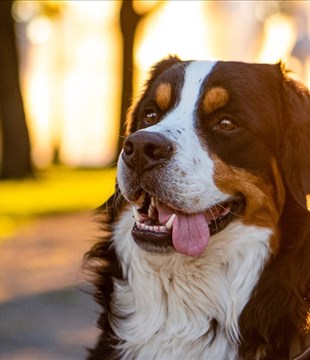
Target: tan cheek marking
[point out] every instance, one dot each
(263, 203)
(214, 99)
(163, 96)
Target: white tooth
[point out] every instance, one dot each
(136, 214)
(152, 209)
(141, 200)
(169, 223)
(150, 212)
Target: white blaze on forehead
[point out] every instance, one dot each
(191, 158)
(183, 114)
(195, 74)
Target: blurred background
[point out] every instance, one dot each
(68, 71)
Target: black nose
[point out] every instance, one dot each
(144, 150)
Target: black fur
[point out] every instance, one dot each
(280, 305)
(102, 261)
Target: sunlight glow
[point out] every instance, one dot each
(37, 107)
(39, 30)
(24, 11)
(92, 10)
(72, 73)
(89, 131)
(167, 32)
(280, 35)
(71, 86)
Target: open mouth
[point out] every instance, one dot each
(160, 228)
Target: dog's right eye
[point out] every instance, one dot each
(150, 117)
(226, 125)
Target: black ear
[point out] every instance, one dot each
(294, 153)
(155, 71)
(161, 66)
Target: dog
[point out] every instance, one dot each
(206, 253)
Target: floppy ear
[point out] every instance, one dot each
(294, 156)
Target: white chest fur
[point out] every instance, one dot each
(167, 307)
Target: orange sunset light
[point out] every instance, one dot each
(72, 60)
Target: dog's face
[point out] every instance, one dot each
(204, 151)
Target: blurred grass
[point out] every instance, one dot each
(54, 191)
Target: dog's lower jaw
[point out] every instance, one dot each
(168, 304)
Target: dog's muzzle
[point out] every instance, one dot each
(160, 225)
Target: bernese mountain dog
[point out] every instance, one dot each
(206, 246)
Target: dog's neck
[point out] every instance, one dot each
(174, 304)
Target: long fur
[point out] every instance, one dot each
(244, 297)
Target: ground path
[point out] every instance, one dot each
(45, 312)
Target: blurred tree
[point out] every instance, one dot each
(16, 158)
(129, 21)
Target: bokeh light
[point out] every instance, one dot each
(71, 56)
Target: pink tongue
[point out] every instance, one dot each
(190, 233)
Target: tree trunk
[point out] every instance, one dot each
(129, 20)
(16, 160)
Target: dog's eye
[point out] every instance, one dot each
(226, 125)
(150, 117)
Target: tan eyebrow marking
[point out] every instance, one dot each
(163, 95)
(215, 98)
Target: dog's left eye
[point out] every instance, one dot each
(150, 117)
(226, 125)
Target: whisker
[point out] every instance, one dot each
(230, 211)
(219, 219)
(110, 166)
(214, 219)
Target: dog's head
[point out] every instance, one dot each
(210, 143)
